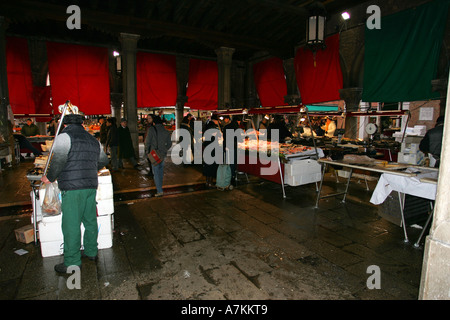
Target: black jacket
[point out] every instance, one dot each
(432, 142)
(77, 157)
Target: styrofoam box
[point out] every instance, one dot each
(105, 207)
(410, 147)
(302, 179)
(104, 191)
(51, 237)
(410, 158)
(296, 167)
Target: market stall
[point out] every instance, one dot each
(403, 178)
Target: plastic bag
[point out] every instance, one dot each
(51, 204)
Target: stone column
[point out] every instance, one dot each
(129, 48)
(224, 60)
(352, 97)
(435, 282)
(292, 97)
(440, 85)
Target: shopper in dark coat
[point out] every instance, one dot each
(112, 142)
(125, 150)
(210, 170)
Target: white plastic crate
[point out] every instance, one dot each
(51, 236)
(302, 179)
(410, 158)
(297, 167)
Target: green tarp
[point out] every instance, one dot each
(401, 58)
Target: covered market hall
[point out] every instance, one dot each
(307, 153)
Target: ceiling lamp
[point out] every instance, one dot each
(315, 27)
(345, 15)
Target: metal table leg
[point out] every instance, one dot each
(348, 183)
(281, 177)
(425, 226)
(401, 199)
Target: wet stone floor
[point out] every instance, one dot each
(244, 244)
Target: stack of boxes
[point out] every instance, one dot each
(300, 172)
(410, 153)
(49, 227)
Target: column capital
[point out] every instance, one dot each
(224, 52)
(129, 41)
(352, 97)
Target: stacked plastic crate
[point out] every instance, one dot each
(49, 227)
(409, 152)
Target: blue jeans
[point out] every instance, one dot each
(158, 173)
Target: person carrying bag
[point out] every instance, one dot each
(157, 143)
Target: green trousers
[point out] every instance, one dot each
(79, 206)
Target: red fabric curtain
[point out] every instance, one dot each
(79, 74)
(319, 77)
(42, 97)
(156, 76)
(20, 82)
(270, 82)
(203, 85)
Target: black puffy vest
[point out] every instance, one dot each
(81, 168)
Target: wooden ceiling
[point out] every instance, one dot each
(191, 27)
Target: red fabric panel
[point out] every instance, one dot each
(270, 82)
(156, 76)
(203, 85)
(41, 96)
(319, 79)
(79, 74)
(20, 83)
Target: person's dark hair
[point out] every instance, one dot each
(185, 119)
(157, 119)
(440, 120)
(111, 120)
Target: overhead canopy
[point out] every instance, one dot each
(319, 74)
(79, 74)
(270, 82)
(20, 83)
(156, 80)
(401, 58)
(202, 91)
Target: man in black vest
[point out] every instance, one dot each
(77, 157)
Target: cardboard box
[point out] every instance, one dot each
(25, 234)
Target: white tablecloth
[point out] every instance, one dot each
(408, 185)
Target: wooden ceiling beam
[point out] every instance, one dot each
(110, 22)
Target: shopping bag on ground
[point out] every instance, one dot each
(51, 205)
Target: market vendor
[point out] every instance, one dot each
(431, 143)
(30, 129)
(280, 125)
(329, 127)
(77, 156)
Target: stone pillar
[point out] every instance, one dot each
(352, 97)
(292, 97)
(129, 48)
(116, 88)
(435, 282)
(224, 60)
(440, 85)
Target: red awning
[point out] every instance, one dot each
(202, 91)
(270, 82)
(156, 80)
(79, 74)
